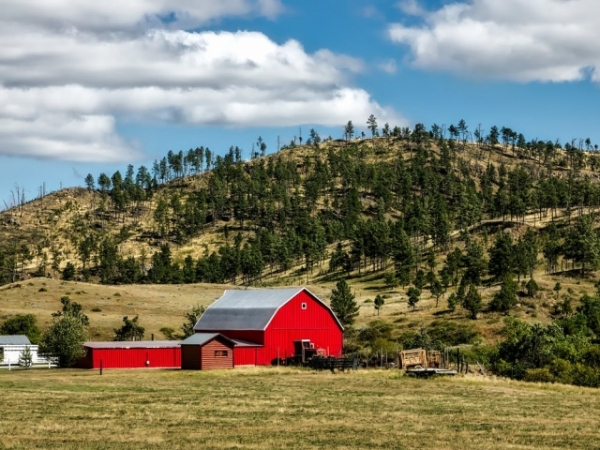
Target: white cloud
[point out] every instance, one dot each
(518, 40)
(111, 15)
(62, 88)
(388, 66)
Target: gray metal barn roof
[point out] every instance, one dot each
(245, 309)
(14, 340)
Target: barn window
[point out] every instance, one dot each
(221, 353)
(304, 306)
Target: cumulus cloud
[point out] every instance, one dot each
(517, 40)
(67, 74)
(129, 15)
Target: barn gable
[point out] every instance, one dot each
(250, 309)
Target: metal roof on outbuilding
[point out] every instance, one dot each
(248, 309)
(133, 344)
(203, 338)
(14, 340)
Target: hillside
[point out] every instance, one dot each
(383, 213)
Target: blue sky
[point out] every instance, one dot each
(89, 88)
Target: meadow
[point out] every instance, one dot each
(262, 408)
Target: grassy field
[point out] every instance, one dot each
(283, 408)
(165, 305)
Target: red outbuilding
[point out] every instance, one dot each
(131, 355)
(264, 324)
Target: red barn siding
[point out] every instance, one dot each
(246, 356)
(291, 323)
(209, 360)
(130, 358)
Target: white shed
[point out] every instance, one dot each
(12, 347)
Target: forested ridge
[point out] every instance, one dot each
(352, 206)
(452, 225)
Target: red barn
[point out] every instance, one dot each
(131, 355)
(265, 323)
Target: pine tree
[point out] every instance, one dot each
(437, 290)
(506, 298)
(343, 303)
(414, 295)
(26, 358)
(130, 330)
(472, 301)
(378, 303)
(501, 256)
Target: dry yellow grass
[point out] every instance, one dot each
(282, 408)
(158, 306)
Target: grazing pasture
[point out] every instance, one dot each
(288, 408)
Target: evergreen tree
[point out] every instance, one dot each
(191, 318)
(372, 124)
(414, 295)
(501, 256)
(343, 303)
(72, 309)
(89, 182)
(452, 302)
(472, 301)
(26, 357)
(582, 245)
(506, 298)
(378, 303)
(131, 330)
(437, 290)
(475, 263)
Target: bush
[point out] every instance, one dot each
(591, 356)
(384, 346)
(532, 288)
(22, 324)
(585, 376)
(68, 273)
(63, 341)
(539, 375)
(562, 371)
(452, 333)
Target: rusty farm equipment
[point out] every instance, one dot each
(424, 363)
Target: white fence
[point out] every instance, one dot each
(10, 356)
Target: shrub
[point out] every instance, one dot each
(532, 288)
(68, 273)
(585, 376)
(96, 309)
(562, 371)
(452, 333)
(539, 375)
